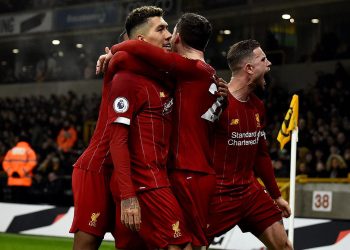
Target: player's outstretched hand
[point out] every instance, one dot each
(130, 214)
(284, 206)
(222, 87)
(103, 60)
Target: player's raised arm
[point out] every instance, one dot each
(158, 57)
(125, 61)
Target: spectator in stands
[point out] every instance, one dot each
(320, 171)
(66, 137)
(341, 141)
(51, 164)
(319, 155)
(53, 69)
(337, 166)
(280, 169)
(40, 70)
(19, 163)
(303, 169)
(347, 156)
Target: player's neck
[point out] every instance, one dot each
(191, 53)
(238, 88)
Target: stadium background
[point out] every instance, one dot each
(48, 50)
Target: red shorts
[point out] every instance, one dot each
(162, 222)
(194, 192)
(94, 209)
(253, 212)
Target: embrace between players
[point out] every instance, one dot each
(176, 151)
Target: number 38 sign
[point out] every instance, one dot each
(322, 201)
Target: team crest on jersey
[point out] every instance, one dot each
(257, 118)
(93, 221)
(121, 105)
(176, 228)
(234, 122)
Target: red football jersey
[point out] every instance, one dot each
(195, 105)
(192, 137)
(240, 146)
(145, 106)
(96, 156)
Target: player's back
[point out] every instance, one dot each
(192, 135)
(96, 156)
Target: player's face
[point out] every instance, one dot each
(261, 67)
(158, 34)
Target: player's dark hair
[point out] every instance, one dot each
(240, 51)
(195, 30)
(123, 36)
(140, 15)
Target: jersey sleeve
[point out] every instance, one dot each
(158, 57)
(121, 161)
(123, 60)
(125, 99)
(263, 164)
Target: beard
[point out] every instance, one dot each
(260, 85)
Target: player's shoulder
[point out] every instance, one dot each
(128, 79)
(205, 67)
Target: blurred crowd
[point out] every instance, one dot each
(53, 67)
(47, 122)
(330, 47)
(323, 146)
(324, 127)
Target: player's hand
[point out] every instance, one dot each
(284, 206)
(222, 87)
(130, 214)
(103, 60)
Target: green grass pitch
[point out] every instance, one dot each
(29, 242)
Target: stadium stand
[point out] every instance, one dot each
(41, 119)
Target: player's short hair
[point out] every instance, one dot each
(195, 30)
(123, 36)
(140, 16)
(240, 51)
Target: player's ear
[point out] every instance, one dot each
(140, 37)
(248, 67)
(177, 38)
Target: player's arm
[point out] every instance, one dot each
(102, 61)
(130, 208)
(123, 103)
(264, 170)
(217, 88)
(125, 61)
(158, 57)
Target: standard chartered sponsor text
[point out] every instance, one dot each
(246, 138)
